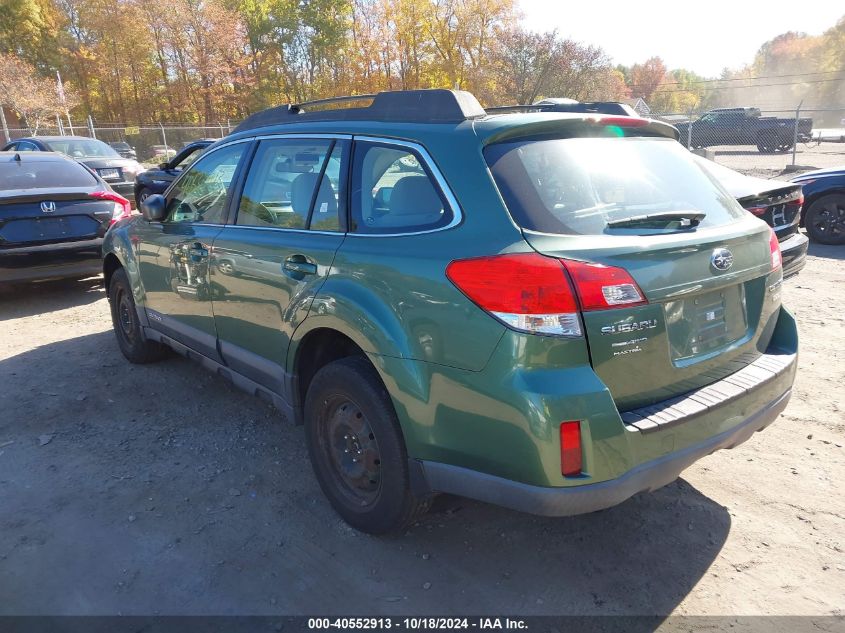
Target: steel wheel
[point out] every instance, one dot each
(351, 449)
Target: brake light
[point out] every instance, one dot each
(526, 291)
(122, 208)
(774, 249)
(600, 287)
(620, 121)
(757, 210)
(570, 449)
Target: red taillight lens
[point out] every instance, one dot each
(620, 121)
(774, 249)
(600, 287)
(570, 449)
(122, 208)
(757, 210)
(527, 291)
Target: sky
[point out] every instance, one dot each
(703, 36)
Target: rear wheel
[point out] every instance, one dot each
(127, 329)
(824, 219)
(767, 143)
(357, 449)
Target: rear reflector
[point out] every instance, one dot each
(601, 287)
(526, 291)
(122, 208)
(774, 249)
(570, 449)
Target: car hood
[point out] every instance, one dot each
(820, 173)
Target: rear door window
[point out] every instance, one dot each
(578, 185)
(394, 192)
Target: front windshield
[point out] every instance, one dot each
(83, 148)
(583, 186)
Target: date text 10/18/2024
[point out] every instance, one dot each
(418, 623)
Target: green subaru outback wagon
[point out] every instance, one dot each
(550, 312)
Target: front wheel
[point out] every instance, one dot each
(357, 449)
(824, 219)
(143, 194)
(130, 336)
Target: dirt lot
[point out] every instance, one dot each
(160, 489)
(808, 156)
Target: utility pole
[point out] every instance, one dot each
(5, 127)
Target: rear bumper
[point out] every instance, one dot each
(51, 261)
(794, 253)
(125, 189)
(549, 501)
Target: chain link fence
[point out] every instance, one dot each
(153, 144)
(764, 142)
(759, 142)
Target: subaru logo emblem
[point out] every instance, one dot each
(722, 259)
(48, 207)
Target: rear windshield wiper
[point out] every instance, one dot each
(687, 219)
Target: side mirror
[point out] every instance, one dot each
(154, 208)
(164, 166)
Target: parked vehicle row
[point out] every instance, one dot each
(104, 160)
(546, 311)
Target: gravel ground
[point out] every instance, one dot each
(160, 489)
(808, 156)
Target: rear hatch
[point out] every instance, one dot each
(35, 217)
(702, 292)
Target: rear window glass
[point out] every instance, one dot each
(83, 148)
(576, 186)
(44, 175)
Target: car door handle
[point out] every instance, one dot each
(198, 252)
(299, 265)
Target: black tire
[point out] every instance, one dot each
(824, 219)
(767, 143)
(143, 194)
(127, 329)
(357, 449)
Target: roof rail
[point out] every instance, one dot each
(409, 106)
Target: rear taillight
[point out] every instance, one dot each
(774, 249)
(600, 287)
(527, 291)
(533, 293)
(122, 208)
(757, 210)
(571, 464)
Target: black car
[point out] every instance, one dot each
(157, 180)
(124, 149)
(119, 172)
(824, 204)
(54, 213)
(776, 202)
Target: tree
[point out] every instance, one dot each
(646, 77)
(32, 97)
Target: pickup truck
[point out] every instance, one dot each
(744, 126)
